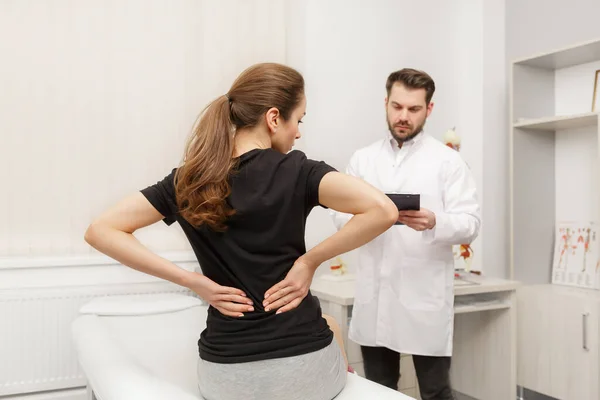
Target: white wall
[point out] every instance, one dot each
(346, 55)
(494, 134)
(541, 26)
(115, 89)
(98, 98)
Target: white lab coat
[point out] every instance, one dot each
(404, 294)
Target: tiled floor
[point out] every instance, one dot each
(460, 396)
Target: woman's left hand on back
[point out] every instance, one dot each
(289, 293)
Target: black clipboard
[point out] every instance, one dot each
(405, 201)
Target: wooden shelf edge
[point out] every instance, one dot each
(469, 308)
(582, 52)
(559, 122)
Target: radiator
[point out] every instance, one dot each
(36, 353)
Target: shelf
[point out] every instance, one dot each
(484, 284)
(559, 122)
(580, 54)
(482, 301)
(475, 307)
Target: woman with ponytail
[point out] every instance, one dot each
(242, 197)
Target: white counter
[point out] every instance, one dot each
(484, 357)
(342, 291)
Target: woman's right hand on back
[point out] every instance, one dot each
(227, 300)
(373, 213)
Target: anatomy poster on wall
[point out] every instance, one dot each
(576, 255)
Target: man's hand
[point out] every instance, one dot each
(418, 220)
(227, 300)
(289, 293)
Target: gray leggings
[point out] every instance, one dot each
(320, 375)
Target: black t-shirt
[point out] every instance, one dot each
(272, 194)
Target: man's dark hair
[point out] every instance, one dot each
(412, 79)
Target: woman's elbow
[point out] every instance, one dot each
(388, 211)
(92, 233)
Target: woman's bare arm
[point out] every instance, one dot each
(374, 213)
(112, 234)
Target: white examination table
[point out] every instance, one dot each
(145, 347)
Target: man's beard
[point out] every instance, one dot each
(408, 137)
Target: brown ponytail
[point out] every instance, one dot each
(202, 182)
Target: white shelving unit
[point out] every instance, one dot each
(540, 123)
(554, 176)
